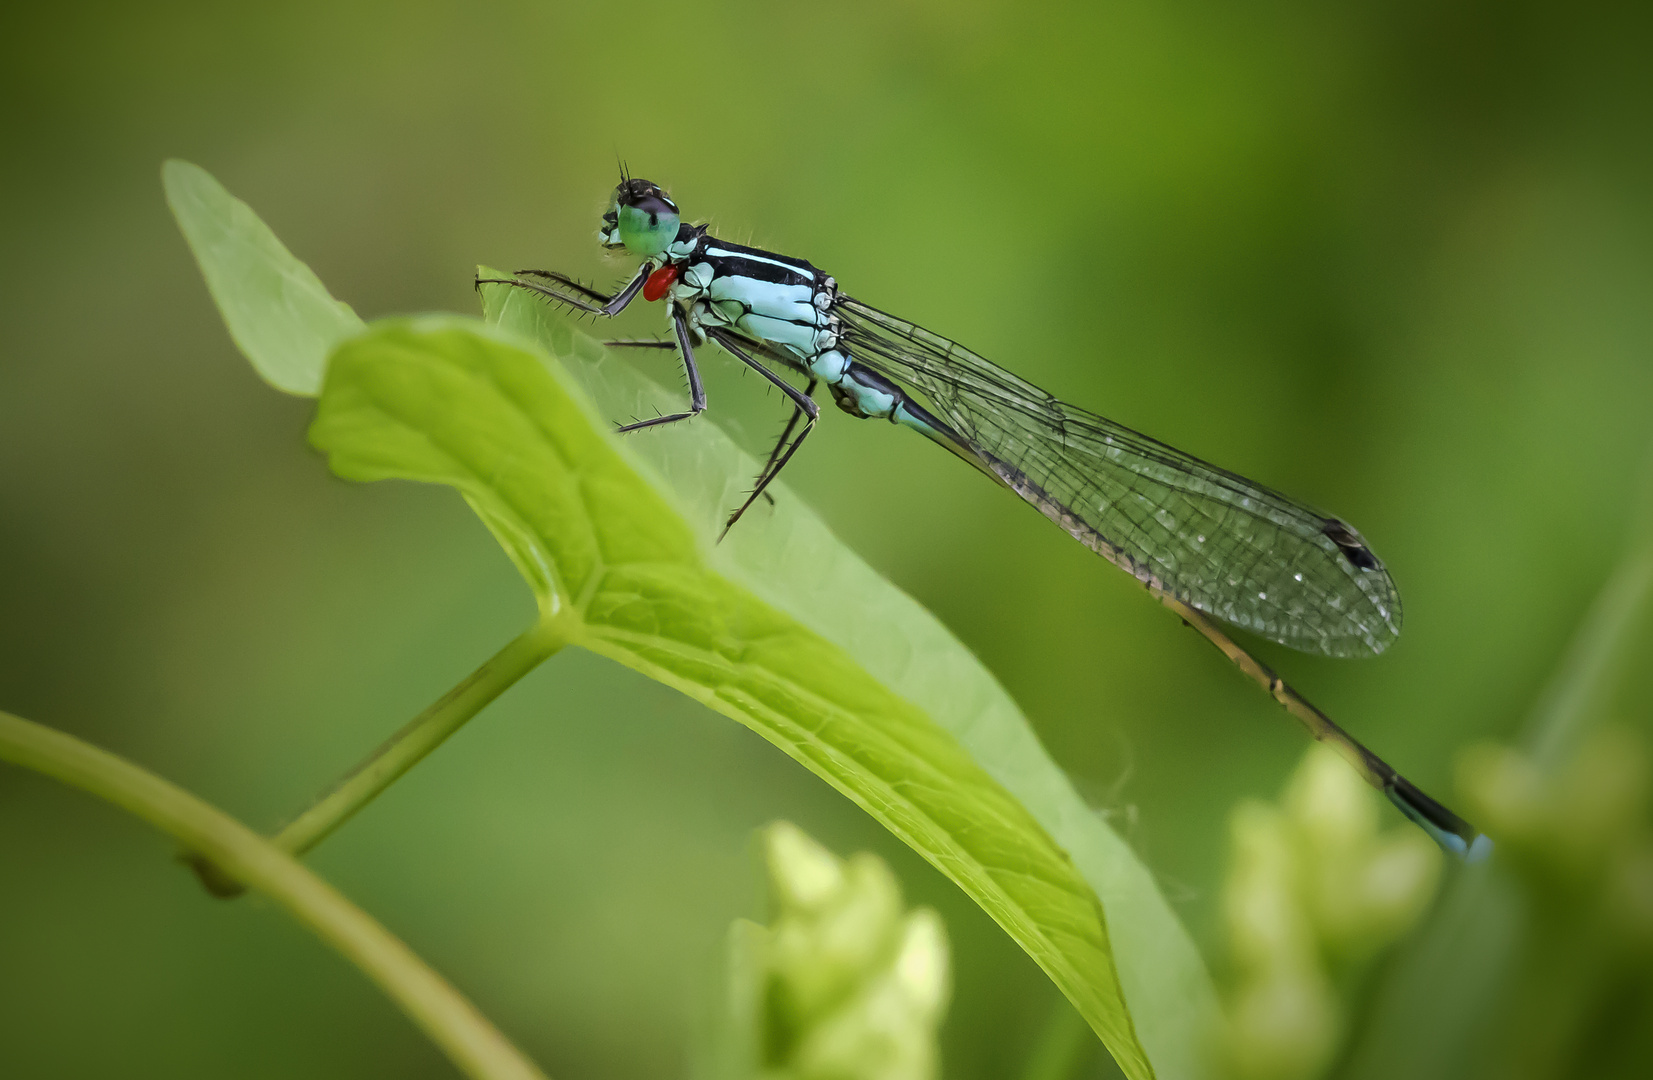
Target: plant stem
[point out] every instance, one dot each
(1572, 699)
(424, 733)
(452, 1022)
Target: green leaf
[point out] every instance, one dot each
(277, 310)
(625, 569)
(781, 627)
(788, 557)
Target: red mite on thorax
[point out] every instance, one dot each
(659, 281)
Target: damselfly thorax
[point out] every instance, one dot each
(781, 305)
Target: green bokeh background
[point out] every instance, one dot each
(1396, 259)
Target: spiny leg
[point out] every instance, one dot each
(780, 460)
(697, 393)
(801, 403)
(605, 306)
(791, 421)
(564, 279)
(611, 306)
(786, 432)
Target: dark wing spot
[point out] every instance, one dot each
(1350, 543)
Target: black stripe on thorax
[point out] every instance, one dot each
(755, 263)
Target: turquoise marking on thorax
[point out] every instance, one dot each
(797, 338)
(780, 314)
(767, 298)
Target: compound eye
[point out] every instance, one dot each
(648, 225)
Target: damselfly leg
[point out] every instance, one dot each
(697, 393)
(575, 295)
(803, 407)
(584, 298)
(786, 432)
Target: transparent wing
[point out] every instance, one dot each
(1214, 540)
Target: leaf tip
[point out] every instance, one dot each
(177, 176)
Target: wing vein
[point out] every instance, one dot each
(1208, 537)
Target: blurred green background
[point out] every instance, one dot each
(1395, 259)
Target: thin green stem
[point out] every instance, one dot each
(424, 733)
(1597, 653)
(452, 1022)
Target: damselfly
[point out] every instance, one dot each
(1203, 540)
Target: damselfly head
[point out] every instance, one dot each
(640, 218)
